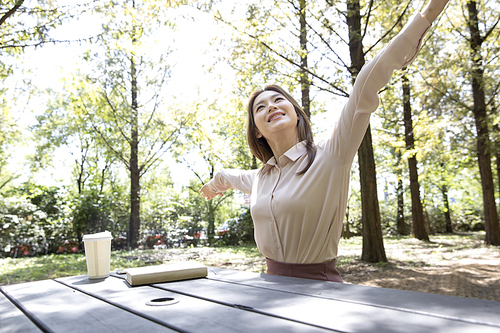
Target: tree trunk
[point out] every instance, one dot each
(417, 211)
(498, 171)
(400, 216)
(135, 198)
(346, 231)
(496, 129)
(491, 222)
(254, 163)
(211, 215)
(446, 204)
(304, 77)
(373, 244)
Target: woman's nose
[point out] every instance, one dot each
(271, 107)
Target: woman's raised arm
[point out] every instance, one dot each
(433, 9)
(374, 75)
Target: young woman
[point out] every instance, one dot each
(299, 196)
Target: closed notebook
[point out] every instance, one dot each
(164, 273)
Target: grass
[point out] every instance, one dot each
(401, 251)
(17, 270)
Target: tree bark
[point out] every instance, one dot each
(446, 204)
(304, 77)
(400, 191)
(373, 244)
(346, 231)
(400, 215)
(498, 172)
(211, 214)
(417, 211)
(491, 222)
(135, 198)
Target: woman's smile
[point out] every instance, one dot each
(275, 115)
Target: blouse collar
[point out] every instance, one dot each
(292, 154)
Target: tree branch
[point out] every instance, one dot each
(367, 19)
(487, 34)
(339, 92)
(391, 29)
(444, 93)
(328, 45)
(118, 155)
(155, 156)
(116, 117)
(14, 176)
(11, 11)
(456, 29)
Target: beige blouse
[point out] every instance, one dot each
(298, 219)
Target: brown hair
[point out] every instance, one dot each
(259, 146)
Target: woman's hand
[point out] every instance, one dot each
(433, 9)
(208, 194)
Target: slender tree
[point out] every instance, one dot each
(418, 223)
(479, 110)
(304, 76)
(400, 213)
(373, 244)
(130, 119)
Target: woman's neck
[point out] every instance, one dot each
(281, 145)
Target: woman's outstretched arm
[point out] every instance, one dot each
(433, 9)
(374, 75)
(223, 180)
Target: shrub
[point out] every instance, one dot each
(237, 231)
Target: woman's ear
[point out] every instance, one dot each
(258, 134)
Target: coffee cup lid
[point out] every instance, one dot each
(106, 235)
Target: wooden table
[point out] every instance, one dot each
(234, 301)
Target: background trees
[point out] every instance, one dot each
(139, 146)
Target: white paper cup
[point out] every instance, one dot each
(98, 254)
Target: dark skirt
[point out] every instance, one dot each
(325, 271)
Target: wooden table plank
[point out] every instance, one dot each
(325, 312)
(190, 313)
(474, 310)
(12, 319)
(63, 309)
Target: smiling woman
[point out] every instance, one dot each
(299, 196)
(275, 123)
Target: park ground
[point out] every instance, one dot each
(455, 264)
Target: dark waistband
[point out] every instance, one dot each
(326, 271)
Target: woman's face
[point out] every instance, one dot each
(273, 114)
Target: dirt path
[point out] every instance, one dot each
(460, 267)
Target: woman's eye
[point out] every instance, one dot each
(279, 99)
(259, 108)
